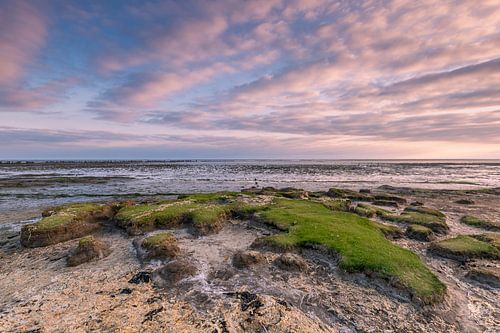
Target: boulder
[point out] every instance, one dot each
(465, 202)
(161, 245)
(65, 223)
(245, 259)
(177, 270)
(420, 233)
(291, 262)
(89, 249)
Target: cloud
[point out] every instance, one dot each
(384, 71)
(146, 89)
(22, 34)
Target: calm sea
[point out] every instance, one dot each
(35, 184)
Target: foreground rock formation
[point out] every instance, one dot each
(265, 260)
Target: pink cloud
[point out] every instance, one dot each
(22, 34)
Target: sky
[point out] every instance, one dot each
(249, 79)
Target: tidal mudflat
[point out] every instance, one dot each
(260, 260)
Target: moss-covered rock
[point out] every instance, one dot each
(389, 231)
(65, 223)
(359, 242)
(348, 194)
(425, 210)
(161, 245)
(486, 275)
(367, 210)
(291, 262)
(177, 270)
(89, 248)
(203, 217)
(464, 248)
(245, 259)
(465, 202)
(343, 205)
(480, 223)
(492, 238)
(386, 203)
(389, 197)
(421, 217)
(420, 233)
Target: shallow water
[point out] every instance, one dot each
(31, 185)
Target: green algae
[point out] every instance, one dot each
(359, 241)
(464, 247)
(480, 223)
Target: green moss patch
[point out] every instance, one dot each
(359, 241)
(204, 212)
(419, 232)
(337, 204)
(66, 222)
(216, 197)
(480, 223)
(367, 210)
(86, 241)
(464, 248)
(490, 237)
(66, 214)
(425, 210)
(157, 239)
(389, 198)
(161, 245)
(348, 194)
(433, 222)
(139, 218)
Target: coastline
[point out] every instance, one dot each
(38, 288)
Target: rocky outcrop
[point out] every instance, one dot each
(177, 270)
(291, 262)
(160, 246)
(89, 248)
(420, 233)
(66, 223)
(245, 259)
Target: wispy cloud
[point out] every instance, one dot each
(382, 71)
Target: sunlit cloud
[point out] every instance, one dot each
(277, 73)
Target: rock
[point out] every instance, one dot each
(464, 248)
(141, 277)
(348, 194)
(485, 275)
(388, 203)
(293, 193)
(177, 270)
(65, 223)
(161, 245)
(222, 274)
(465, 202)
(416, 203)
(245, 259)
(249, 301)
(31, 237)
(389, 197)
(365, 190)
(420, 233)
(291, 262)
(126, 291)
(89, 248)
